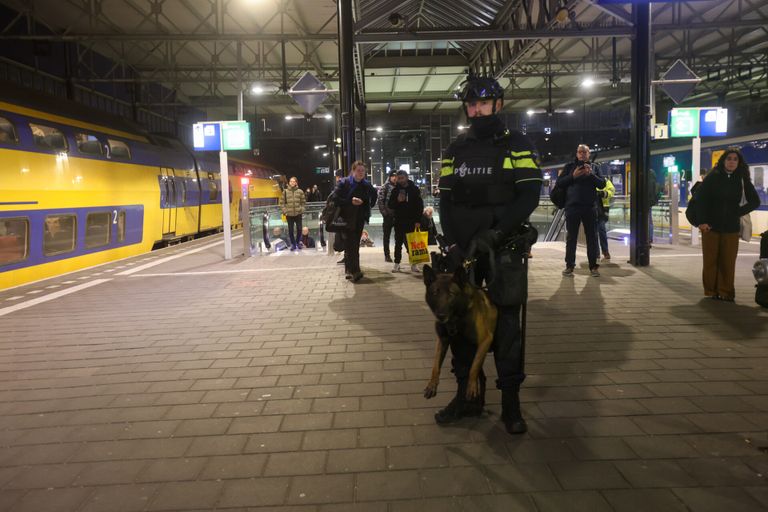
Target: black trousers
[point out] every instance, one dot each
(507, 343)
(389, 223)
(294, 222)
(400, 241)
(588, 218)
(352, 249)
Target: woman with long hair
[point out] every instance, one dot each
(724, 196)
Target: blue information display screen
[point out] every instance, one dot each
(206, 136)
(713, 122)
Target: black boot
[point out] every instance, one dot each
(510, 411)
(460, 407)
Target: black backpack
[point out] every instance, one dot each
(558, 196)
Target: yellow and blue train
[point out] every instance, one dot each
(78, 189)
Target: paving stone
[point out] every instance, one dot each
(274, 442)
(455, 481)
(661, 447)
(545, 450)
(113, 472)
(216, 445)
(255, 424)
(186, 496)
(723, 472)
(52, 500)
(414, 505)
(497, 503)
(712, 499)
(329, 439)
(642, 500)
(527, 477)
(655, 473)
(321, 489)
(297, 463)
(172, 470)
(600, 448)
(588, 475)
(42, 476)
(387, 485)
(574, 501)
(120, 498)
(356, 460)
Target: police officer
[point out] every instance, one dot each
(489, 185)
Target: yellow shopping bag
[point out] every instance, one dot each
(417, 247)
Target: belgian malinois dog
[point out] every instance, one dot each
(464, 314)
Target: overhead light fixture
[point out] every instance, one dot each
(288, 117)
(530, 112)
(460, 127)
(569, 111)
(257, 89)
(379, 129)
(588, 82)
(328, 116)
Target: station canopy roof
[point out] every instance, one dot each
(411, 54)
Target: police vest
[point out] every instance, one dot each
(480, 172)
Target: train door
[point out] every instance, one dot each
(169, 206)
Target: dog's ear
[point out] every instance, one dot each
(460, 276)
(429, 275)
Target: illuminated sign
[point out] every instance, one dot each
(713, 121)
(221, 136)
(669, 161)
(684, 122)
(206, 136)
(235, 135)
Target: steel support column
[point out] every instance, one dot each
(640, 135)
(363, 136)
(346, 85)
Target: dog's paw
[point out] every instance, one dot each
(430, 390)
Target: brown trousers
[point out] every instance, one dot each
(719, 250)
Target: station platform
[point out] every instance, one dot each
(178, 381)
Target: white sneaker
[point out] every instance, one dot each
(396, 268)
(415, 269)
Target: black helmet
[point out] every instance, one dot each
(481, 88)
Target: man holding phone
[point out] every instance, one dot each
(580, 181)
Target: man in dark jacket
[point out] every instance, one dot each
(387, 214)
(408, 206)
(489, 186)
(354, 194)
(581, 182)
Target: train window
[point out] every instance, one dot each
(118, 149)
(7, 131)
(59, 236)
(14, 239)
(121, 226)
(88, 144)
(49, 138)
(97, 228)
(213, 190)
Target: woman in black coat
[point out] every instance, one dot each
(353, 194)
(722, 198)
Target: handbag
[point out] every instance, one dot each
(336, 222)
(745, 222)
(417, 247)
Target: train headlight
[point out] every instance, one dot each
(760, 271)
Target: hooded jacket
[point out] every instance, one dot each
(292, 201)
(409, 211)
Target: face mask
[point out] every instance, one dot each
(485, 126)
